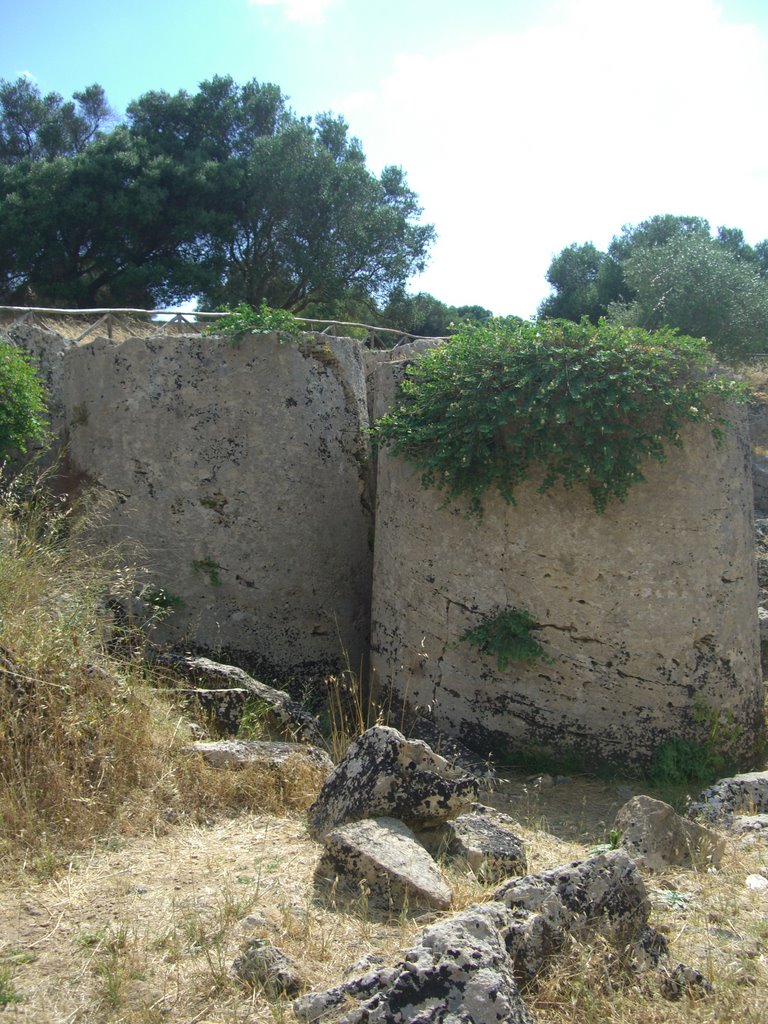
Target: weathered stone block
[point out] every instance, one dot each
(656, 837)
(645, 610)
(385, 855)
(384, 774)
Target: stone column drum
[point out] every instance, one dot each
(647, 611)
(241, 472)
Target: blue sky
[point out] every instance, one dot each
(523, 125)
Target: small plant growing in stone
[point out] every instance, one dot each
(508, 635)
(245, 319)
(207, 567)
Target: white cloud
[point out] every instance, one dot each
(306, 11)
(603, 113)
(28, 75)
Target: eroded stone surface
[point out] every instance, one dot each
(242, 473)
(745, 794)
(656, 837)
(240, 753)
(384, 774)
(605, 894)
(386, 856)
(458, 972)
(467, 968)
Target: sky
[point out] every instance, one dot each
(523, 125)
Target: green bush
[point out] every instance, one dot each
(245, 319)
(22, 402)
(580, 404)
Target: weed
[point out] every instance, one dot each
(8, 993)
(508, 635)
(207, 567)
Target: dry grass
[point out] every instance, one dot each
(88, 746)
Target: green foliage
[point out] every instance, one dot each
(8, 993)
(669, 271)
(508, 635)
(575, 403)
(162, 601)
(244, 319)
(679, 760)
(224, 194)
(424, 315)
(22, 402)
(702, 288)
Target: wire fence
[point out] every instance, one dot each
(125, 321)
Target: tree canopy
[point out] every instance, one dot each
(224, 194)
(669, 271)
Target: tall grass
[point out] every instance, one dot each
(75, 733)
(88, 742)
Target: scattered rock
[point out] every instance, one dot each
(541, 781)
(490, 850)
(263, 965)
(239, 753)
(458, 971)
(467, 968)
(385, 855)
(756, 882)
(224, 707)
(657, 837)
(384, 774)
(282, 713)
(750, 824)
(742, 794)
(604, 895)
(684, 981)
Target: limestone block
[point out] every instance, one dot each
(604, 895)
(262, 965)
(656, 837)
(241, 753)
(384, 774)
(491, 851)
(466, 969)
(384, 854)
(638, 624)
(457, 973)
(241, 472)
(282, 714)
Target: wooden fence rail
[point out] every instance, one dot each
(160, 319)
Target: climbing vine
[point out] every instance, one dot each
(579, 404)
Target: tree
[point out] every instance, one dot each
(37, 127)
(225, 195)
(105, 227)
(575, 276)
(425, 315)
(669, 271)
(702, 288)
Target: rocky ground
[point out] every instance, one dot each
(146, 930)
